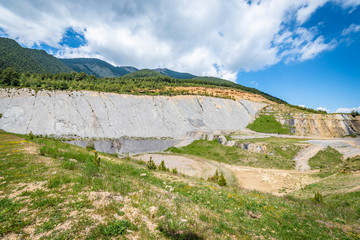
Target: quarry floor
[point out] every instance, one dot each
(275, 181)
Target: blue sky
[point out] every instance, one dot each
(331, 80)
(305, 51)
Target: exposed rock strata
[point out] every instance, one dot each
(331, 125)
(108, 115)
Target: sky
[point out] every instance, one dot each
(305, 52)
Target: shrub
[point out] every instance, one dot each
(354, 113)
(90, 146)
(162, 166)
(214, 178)
(96, 158)
(222, 180)
(175, 171)
(31, 135)
(151, 165)
(318, 197)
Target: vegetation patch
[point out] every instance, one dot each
(268, 124)
(281, 156)
(328, 161)
(116, 201)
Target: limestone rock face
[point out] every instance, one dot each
(110, 115)
(331, 125)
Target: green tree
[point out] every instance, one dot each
(10, 77)
(162, 167)
(222, 180)
(151, 165)
(354, 113)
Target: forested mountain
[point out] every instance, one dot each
(51, 63)
(97, 67)
(143, 73)
(28, 60)
(120, 79)
(173, 74)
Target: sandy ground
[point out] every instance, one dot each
(277, 182)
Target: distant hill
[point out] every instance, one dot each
(97, 67)
(143, 73)
(173, 74)
(28, 60)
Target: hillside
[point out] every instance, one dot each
(143, 73)
(96, 67)
(173, 74)
(50, 63)
(52, 190)
(28, 60)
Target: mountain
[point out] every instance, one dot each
(28, 60)
(97, 67)
(143, 73)
(51, 63)
(173, 74)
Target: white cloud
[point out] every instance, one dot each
(181, 35)
(301, 105)
(353, 28)
(347, 110)
(322, 109)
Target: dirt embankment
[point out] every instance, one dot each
(226, 93)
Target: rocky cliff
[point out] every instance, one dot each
(109, 115)
(321, 125)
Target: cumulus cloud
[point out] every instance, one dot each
(217, 38)
(347, 110)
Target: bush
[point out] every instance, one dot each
(162, 167)
(214, 178)
(151, 165)
(90, 146)
(31, 135)
(222, 180)
(96, 158)
(354, 113)
(318, 197)
(175, 171)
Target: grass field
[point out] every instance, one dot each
(268, 124)
(52, 190)
(280, 158)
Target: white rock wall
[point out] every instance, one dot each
(109, 115)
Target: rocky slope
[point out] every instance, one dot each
(321, 125)
(109, 115)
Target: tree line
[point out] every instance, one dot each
(150, 85)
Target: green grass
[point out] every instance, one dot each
(194, 209)
(268, 124)
(281, 157)
(328, 161)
